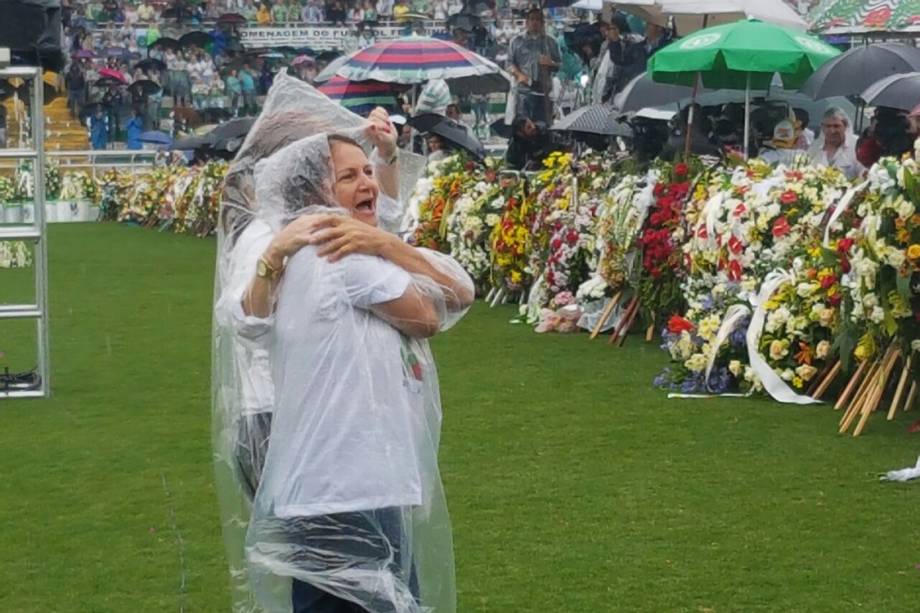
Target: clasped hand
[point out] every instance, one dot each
(335, 236)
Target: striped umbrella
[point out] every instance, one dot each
(416, 59)
(360, 96)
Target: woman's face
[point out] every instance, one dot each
(355, 187)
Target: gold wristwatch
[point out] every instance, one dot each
(265, 271)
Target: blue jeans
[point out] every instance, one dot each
(369, 537)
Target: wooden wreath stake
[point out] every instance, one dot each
(627, 315)
(650, 332)
(858, 397)
(851, 386)
(911, 397)
(623, 318)
(608, 311)
(881, 384)
(629, 324)
(899, 392)
(827, 380)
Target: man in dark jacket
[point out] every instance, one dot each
(530, 143)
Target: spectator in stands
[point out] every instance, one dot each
(266, 77)
(248, 88)
(75, 81)
(263, 15)
(279, 12)
(133, 130)
(370, 12)
(145, 13)
(234, 91)
(293, 11)
(112, 101)
(384, 8)
(98, 129)
(400, 10)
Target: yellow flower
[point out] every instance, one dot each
(515, 276)
(865, 349)
(913, 252)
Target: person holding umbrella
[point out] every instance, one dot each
(533, 57)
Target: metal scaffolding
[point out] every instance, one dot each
(39, 385)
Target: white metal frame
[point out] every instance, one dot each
(36, 233)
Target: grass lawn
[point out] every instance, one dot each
(573, 485)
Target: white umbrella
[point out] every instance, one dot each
(589, 5)
(692, 15)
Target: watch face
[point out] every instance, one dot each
(262, 269)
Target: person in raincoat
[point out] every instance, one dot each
(245, 405)
(99, 129)
(133, 129)
(350, 505)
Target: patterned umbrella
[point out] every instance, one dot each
(417, 59)
(601, 119)
(360, 96)
(862, 16)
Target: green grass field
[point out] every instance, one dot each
(573, 485)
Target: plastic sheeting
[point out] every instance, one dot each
(327, 413)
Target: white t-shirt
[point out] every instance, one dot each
(251, 352)
(347, 419)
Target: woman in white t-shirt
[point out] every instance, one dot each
(350, 506)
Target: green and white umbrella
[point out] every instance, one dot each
(743, 55)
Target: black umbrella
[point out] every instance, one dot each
(234, 128)
(143, 87)
(449, 130)
(327, 56)
(166, 43)
(215, 115)
(190, 143)
(107, 82)
(642, 92)
(853, 71)
(603, 119)
(900, 91)
(231, 19)
(151, 63)
(238, 61)
(500, 128)
(463, 21)
(196, 38)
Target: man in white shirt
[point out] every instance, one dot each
(836, 146)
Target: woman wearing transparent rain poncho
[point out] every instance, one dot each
(349, 514)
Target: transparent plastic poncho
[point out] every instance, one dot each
(326, 416)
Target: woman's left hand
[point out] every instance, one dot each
(382, 132)
(340, 236)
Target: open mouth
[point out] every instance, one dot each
(365, 206)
